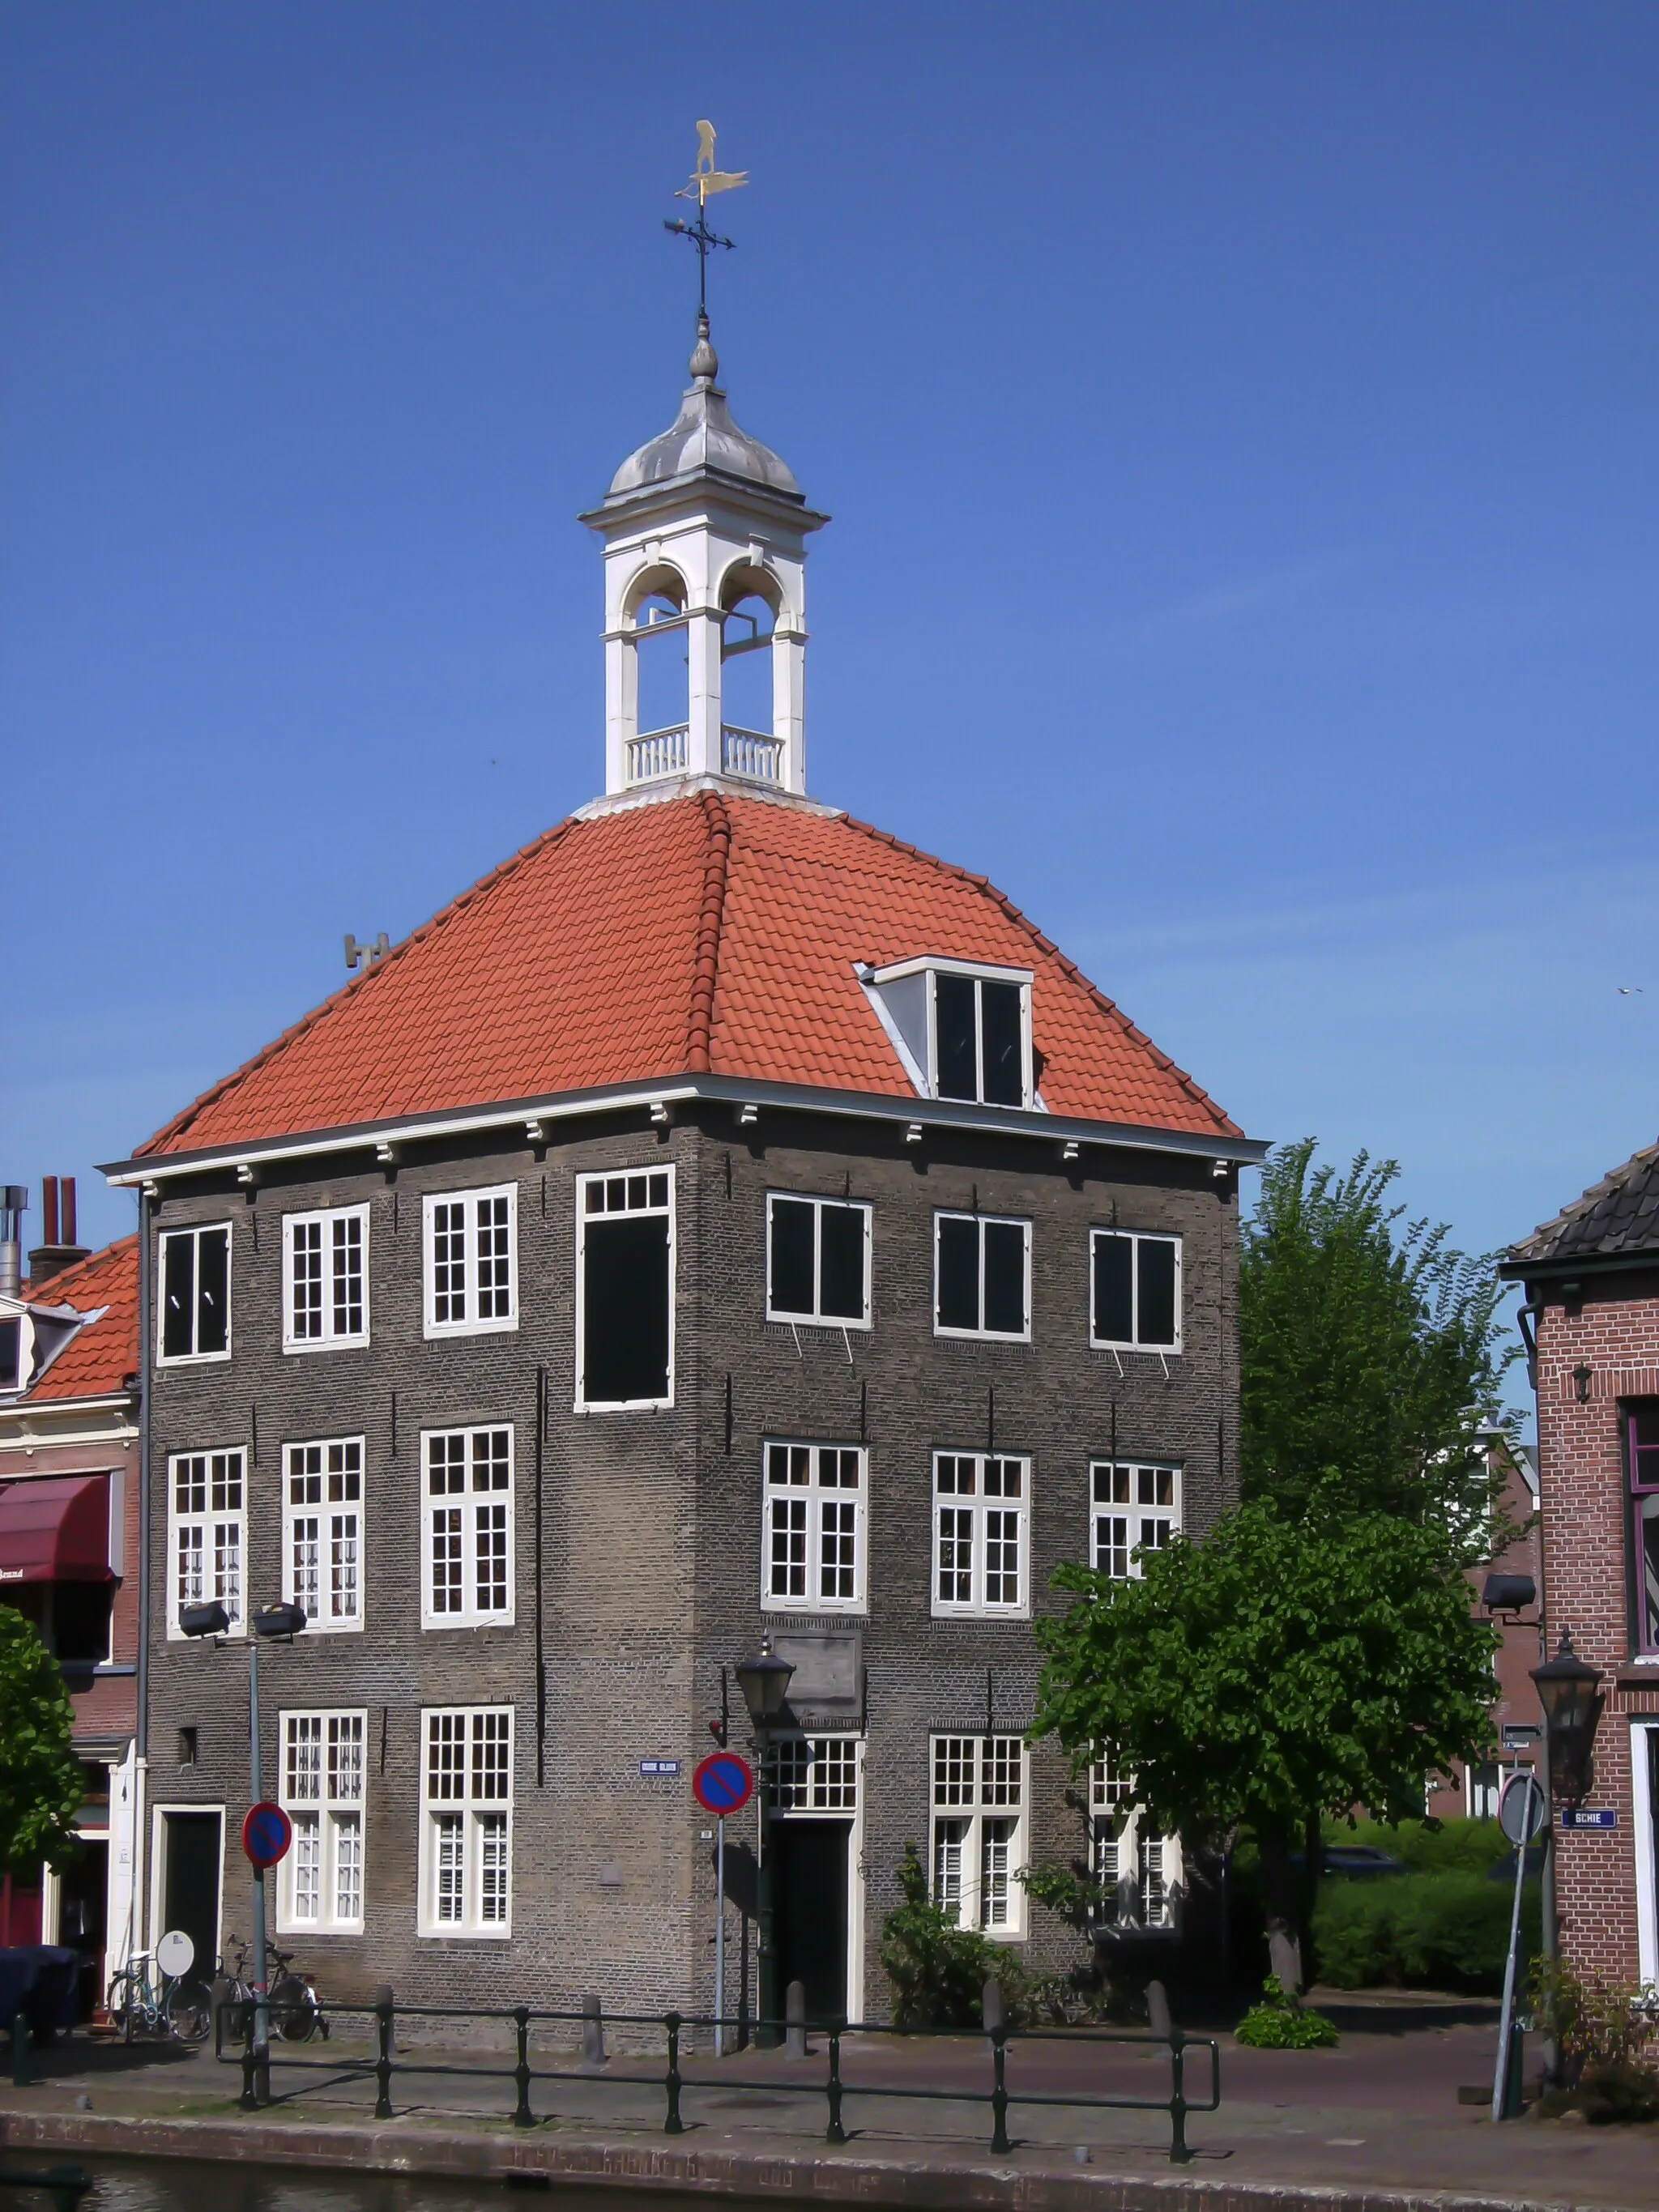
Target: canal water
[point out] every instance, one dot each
(137, 2184)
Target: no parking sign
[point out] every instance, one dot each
(723, 1783)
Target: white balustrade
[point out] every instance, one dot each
(750, 753)
(658, 752)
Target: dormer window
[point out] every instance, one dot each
(962, 1030)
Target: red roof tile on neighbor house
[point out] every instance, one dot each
(98, 1359)
(704, 933)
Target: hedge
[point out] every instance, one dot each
(1445, 1931)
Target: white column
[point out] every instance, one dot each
(789, 705)
(122, 1934)
(703, 642)
(622, 707)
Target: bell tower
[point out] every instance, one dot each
(704, 532)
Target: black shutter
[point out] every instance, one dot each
(213, 1290)
(790, 1290)
(958, 1272)
(1115, 1305)
(958, 1047)
(178, 1296)
(1004, 1278)
(625, 1309)
(1157, 1256)
(842, 1294)
(1005, 1057)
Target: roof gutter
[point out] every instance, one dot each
(1608, 1263)
(533, 1113)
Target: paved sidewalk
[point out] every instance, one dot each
(1379, 2114)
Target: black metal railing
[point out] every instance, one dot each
(388, 2062)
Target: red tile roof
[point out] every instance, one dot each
(98, 1359)
(707, 933)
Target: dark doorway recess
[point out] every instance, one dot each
(83, 1884)
(190, 1892)
(809, 1894)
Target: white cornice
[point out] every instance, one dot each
(726, 1090)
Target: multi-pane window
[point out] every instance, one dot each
(1642, 1456)
(817, 1260)
(979, 1831)
(980, 1504)
(1136, 1872)
(471, 1276)
(321, 1886)
(324, 1279)
(323, 1531)
(466, 1822)
(813, 1774)
(1137, 1508)
(193, 1309)
(1136, 1291)
(469, 1527)
(207, 1507)
(982, 1276)
(813, 1527)
(625, 1288)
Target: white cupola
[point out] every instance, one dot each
(705, 554)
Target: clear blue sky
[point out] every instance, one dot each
(1239, 424)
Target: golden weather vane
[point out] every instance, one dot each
(705, 180)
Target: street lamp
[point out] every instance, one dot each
(764, 1682)
(1569, 1692)
(270, 1621)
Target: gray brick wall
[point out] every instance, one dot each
(652, 1527)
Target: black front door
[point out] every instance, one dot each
(808, 1908)
(190, 1885)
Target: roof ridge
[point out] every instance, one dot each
(50, 1290)
(711, 922)
(182, 1120)
(1107, 1006)
(1586, 1202)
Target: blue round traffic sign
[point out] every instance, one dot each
(723, 1783)
(266, 1834)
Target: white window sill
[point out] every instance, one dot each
(325, 1343)
(623, 1406)
(1151, 1351)
(465, 1934)
(194, 1358)
(983, 1335)
(433, 1330)
(438, 1624)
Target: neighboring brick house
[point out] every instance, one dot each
(723, 1220)
(1474, 1791)
(1592, 1298)
(69, 1558)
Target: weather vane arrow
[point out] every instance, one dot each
(704, 181)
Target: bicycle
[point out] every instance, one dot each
(143, 1999)
(292, 2004)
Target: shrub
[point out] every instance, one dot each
(1447, 1931)
(939, 1971)
(1429, 1847)
(1280, 2023)
(1607, 2032)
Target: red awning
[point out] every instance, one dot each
(55, 1530)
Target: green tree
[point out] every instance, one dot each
(1366, 1346)
(41, 1785)
(1290, 1667)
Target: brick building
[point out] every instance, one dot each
(724, 1220)
(1591, 1278)
(69, 1556)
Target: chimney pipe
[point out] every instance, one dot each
(59, 1248)
(13, 1199)
(66, 1191)
(48, 1209)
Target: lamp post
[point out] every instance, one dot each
(1570, 1698)
(271, 1620)
(764, 1682)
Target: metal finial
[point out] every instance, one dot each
(705, 361)
(705, 179)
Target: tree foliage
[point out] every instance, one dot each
(1291, 1666)
(1367, 1346)
(41, 1785)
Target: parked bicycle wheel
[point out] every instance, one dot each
(190, 2009)
(294, 2009)
(119, 2003)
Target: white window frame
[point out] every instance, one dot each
(1127, 1857)
(466, 1502)
(813, 1777)
(1137, 1237)
(219, 1579)
(819, 1204)
(817, 1497)
(1149, 1522)
(968, 1801)
(918, 1054)
(584, 1404)
(326, 1799)
(472, 1199)
(195, 1230)
(476, 1857)
(1001, 1221)
(326, 1510)
(978, 1505)
(331, 1223)
(1645, 1823)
